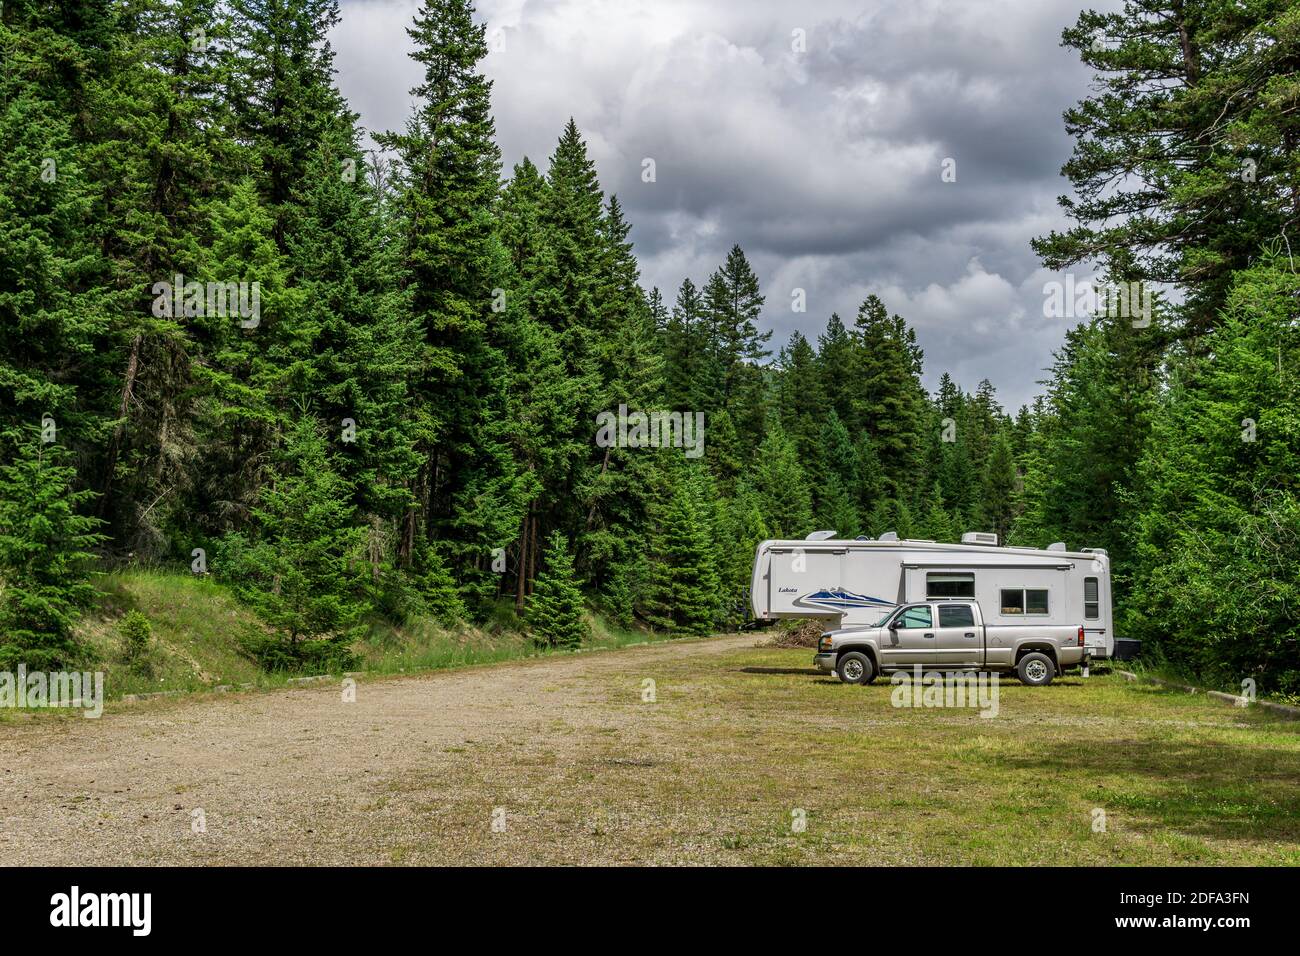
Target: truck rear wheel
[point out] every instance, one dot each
(855, 668)
(1036, 669)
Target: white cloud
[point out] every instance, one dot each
(824, 166)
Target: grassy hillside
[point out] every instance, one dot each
(198, 626)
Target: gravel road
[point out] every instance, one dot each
(417, 770)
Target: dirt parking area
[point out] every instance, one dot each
(710, 751)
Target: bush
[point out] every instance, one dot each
(137, 643)
(323, 656)
(437, 588)
(396, 597)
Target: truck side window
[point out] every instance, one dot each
(915, 617)
(956, 615)
(1091, 603)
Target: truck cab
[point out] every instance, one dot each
(950, 634)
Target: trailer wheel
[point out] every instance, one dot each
(1036, 670)
(855, 668)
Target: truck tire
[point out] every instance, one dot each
(1036, 669)
(855, 668)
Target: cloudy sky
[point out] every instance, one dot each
(825, 163)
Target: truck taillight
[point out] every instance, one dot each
(1081, 635)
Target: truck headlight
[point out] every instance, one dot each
(825, 643)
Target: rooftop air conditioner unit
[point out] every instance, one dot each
(979, 537)
(889, 536)
(820, 536)
(1056, 546)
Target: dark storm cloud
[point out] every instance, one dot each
(823, 163)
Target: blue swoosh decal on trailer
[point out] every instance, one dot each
(840, 598)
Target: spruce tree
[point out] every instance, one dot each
(684, 586)
(684, 342)
(446, 182)
(936, 523)
(887, 399)
(835, 371)
(365, 343)
(1185, 154)
(1215, 538)
(54, 309)
(781, 486)
(802, 405)
(304, 571)
(735, 347)
(283, 96)
(998, 497)
(838, 489)
(555, 610)
(45, 547)
(739, 527)
(256, 369)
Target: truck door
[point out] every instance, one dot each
(958, 638)
(911, 640)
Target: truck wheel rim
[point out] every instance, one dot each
(853, 670)
(1036, 670)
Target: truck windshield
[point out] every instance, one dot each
(880, 621)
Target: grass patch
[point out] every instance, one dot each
(740, 750)
(196, 631)
(201, 635)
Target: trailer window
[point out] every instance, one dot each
(940, 586)
(1024, 601)
(1091, 602)
(956, 615)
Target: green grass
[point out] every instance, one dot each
(736, 745)
(1180, 778)
(1159, 669)
(197, 627)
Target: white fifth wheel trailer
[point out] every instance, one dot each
(855, 583)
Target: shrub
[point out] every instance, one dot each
(137, 643)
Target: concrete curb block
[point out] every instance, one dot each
(308, 680)
(133, 698)
(1232, 699)
(1282, 710)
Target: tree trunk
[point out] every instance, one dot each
(119, 430)
(532, 557)
(591, 513)
(522, 558)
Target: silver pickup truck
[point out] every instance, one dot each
(950, 635)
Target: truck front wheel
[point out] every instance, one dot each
(855, 668)
(1036, 670)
